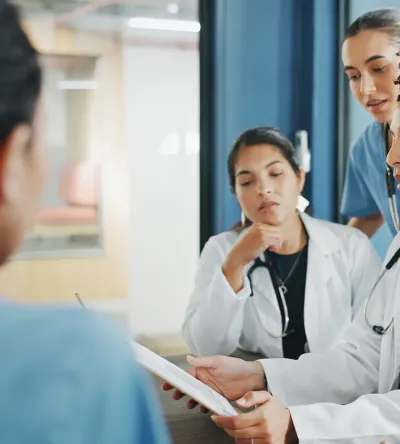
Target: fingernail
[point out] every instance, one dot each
(242, 401)
(213, 417)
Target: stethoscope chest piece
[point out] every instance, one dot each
(378, 329)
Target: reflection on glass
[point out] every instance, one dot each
(68, 217)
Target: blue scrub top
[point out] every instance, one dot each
(68, 376)
(365, 186)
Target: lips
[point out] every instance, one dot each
(375, 104)
(267, 205)
(396, 177)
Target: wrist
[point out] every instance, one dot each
(258, 376)
(233, 263)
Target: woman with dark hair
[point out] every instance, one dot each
(67, 375)
(371, 62)
(283, 283)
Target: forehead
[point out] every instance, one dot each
(356, 50)
(257, 154)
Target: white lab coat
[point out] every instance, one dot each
(361, 372)
(342, 265)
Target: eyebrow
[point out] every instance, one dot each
(369, 60)
(242, 172)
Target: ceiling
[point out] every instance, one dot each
(66, 10)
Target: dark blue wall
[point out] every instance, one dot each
(268, 70)
(325, 59)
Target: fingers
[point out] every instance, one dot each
(252, 399)
(272, 236)
(273, 244)
(165, 387)
(176, 395)
(191, 404)
(243, 434)
(204, 361)
(239, 422)
(246, 420)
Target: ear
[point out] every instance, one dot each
(302, 179)
(12, 159)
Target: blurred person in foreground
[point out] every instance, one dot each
(67, 375)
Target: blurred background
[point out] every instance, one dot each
(143, 100)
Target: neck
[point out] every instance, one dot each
(294, 235)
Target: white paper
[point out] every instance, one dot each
(183, 381)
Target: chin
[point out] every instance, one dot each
(271, 220)
(383, 117)
(379, 118)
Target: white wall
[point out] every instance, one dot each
(55, 136)
(162, 112)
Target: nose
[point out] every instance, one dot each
(265, 188)
(367, 85)
(393, 157)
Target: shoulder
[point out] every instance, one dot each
(70, 339)
(344, 233)
(368, 141)
(72, 367)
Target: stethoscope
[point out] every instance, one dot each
(391, 192)
(390, 186)
(379, 329)
(280, 291)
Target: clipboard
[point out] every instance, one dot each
(183, 381)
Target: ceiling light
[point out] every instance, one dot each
(164, 25)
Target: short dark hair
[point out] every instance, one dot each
(20, 72)
(384, 19)
(265, 135)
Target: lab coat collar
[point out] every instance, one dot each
(320, 235)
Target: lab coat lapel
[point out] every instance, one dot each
(395, 293)
(396, 336)
(389, 351)
(319, 271)
(394, 357)
(390, 346)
